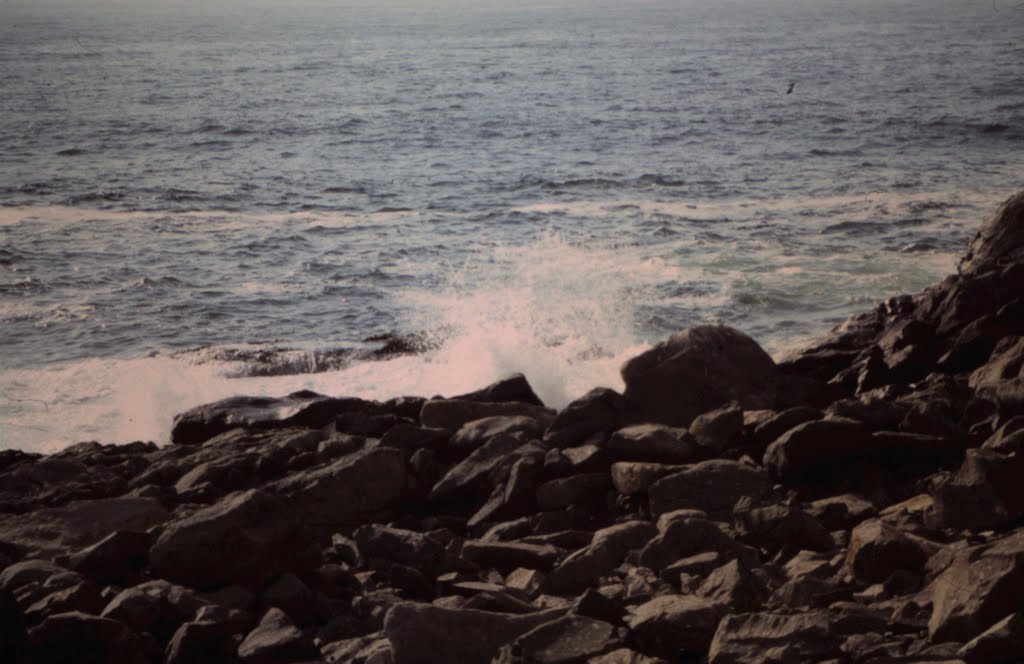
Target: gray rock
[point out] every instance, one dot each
(84, 639)
(589, 488)
(452, 414)
(767, 638)
(305, 409)
(635, 477)
(712, 486)
(669, 625)
(1000, 240)
(651, 442)
(685, 537)
(471, 477)
(79, 524)
(513, 388)
(734, 587)
(877, 550)
(510, 555)
(719, 429)
(1002, 643)
(115, 558)
(475, 433)
(402, 546)
(841, 512)
(247, 539)
(983, 584)
(565, 640)
(423, 634)
(697, 370)
(275, 639)
(157, 607)
(597, 413)
(812, 449)
(351, 491)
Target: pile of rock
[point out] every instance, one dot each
(859, 502)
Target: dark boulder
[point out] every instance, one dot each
(275, 639)
(698, 370)
(300, 409)
(712, 486)
(423, 634)
(248, 538)
(353, 490)
(514, 388)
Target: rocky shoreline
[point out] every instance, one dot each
(860, 502)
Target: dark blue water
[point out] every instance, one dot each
(541, 188)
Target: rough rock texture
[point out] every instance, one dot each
(698, 370)
(860, 502)
(247, 539)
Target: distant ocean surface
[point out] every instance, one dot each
(200, 202)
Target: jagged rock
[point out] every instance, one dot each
(119, 556)
(697, 370)
(671, 625)
(770, 429)
(200, 642)
(475, 433)
(453, 414)
(352, 490)
(403, 546)
(812, 449)
(302, 604)
(634, 477)
(157, 607)
(301, 409)
(1001, 379)
(20, 574)
(83, 597)
(517, 495)
(510, 555)
(275, 639)
(411, 438)
(562, 641)
(607, 550)
(1002, 643)
(471, 477)
(576, 489)
(80, 523)
(597, 413)
(983, 584)
(625, 656)
(422, 634)
(369, 649)
(1000, 240)
(84, 639)
(651, 442)
(766, 638)
(734, 587)
(513, 388)
(719, 429)
(986, 492)
(877, 550)
(246, 539)
(712, 486)
(841, 512)
(685, 537)
(779, 527)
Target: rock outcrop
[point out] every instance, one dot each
(860, 501)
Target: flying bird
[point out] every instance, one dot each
(789, 90)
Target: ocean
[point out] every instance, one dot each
(248, 198)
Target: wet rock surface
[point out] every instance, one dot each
(859, 501)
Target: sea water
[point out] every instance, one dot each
(198, 202)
